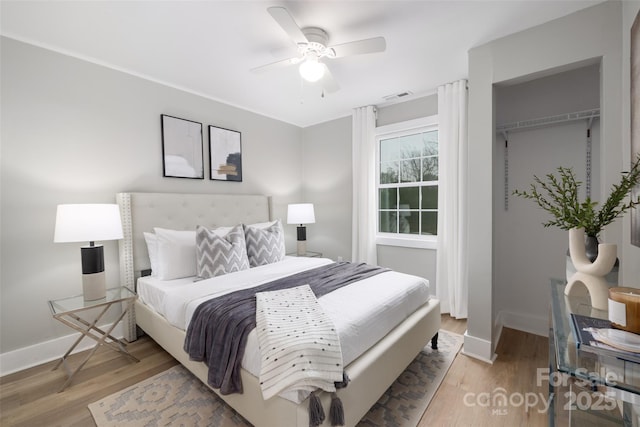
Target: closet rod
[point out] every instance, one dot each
(548, 121)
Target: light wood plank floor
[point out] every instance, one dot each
(461, 399)
(29, 398)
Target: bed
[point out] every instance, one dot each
(371, 372)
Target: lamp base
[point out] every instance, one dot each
(302, 248)
(302, 232)
(94, 286)
(93, 281)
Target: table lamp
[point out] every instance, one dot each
(301, 213)
(89, 223)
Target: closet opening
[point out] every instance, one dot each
(542, 122)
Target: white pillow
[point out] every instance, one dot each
(152, 248)
(221, 231)
(176, 253)
(263, 225)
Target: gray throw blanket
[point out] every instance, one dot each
(219, 328)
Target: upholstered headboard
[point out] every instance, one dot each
(142, 212)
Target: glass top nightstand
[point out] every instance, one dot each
(74, 303)
(601, 374)
(310, 254)
(68, 310)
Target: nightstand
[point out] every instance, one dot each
(309, 254)
(67, 310)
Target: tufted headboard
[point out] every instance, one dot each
(141, 212)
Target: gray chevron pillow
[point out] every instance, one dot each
(218, 255)
(264, 245)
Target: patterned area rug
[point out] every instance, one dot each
(177, 398)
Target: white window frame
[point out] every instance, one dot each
(395, 130)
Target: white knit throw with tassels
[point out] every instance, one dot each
(299, 345)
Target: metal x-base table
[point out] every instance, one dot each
(66, 310)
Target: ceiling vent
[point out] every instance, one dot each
(397, 96)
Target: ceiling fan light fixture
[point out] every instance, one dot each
(311, 70)
(313, 46)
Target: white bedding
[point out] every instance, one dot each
(363, 312)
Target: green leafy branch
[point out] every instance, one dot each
(558, 195)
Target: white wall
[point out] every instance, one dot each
(568, 40)
(527, 254)
(562, 92)
(326, 178)
(76, 132)
(408, 110)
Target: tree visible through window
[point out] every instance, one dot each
(408, 183)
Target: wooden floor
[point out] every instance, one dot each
(29, 398)
(466, 395)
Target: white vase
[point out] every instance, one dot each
(591, 274)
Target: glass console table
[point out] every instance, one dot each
(587, 388)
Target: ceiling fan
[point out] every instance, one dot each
(313, 49)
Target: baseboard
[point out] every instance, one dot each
(37, 354)
(497, 333)
(537, 325)
(478, 348)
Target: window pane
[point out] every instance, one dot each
(430, 169)
(389, 173)
(389, 149)
(410, 146)
(388, 198)
(409, 197)
(388, 222)
(409, 222)
(410, 170)
(430, 223)
(430, 143)
(430, 197)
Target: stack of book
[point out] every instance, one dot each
(598, 336)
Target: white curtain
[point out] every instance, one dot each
(363, 224)
(451, 274)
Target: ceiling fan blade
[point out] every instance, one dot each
(284, 19)
(329, 83)
(376, 44)
(275, 65)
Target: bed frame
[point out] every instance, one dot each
(371, 373)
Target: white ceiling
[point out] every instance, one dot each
(208, 47)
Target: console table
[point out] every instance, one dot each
(587, 388)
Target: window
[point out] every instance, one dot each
(407, 183)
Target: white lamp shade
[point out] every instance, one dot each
(301, 213)
(87, 223)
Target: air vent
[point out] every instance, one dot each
(397, 96)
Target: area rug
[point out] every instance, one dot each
(177, 398)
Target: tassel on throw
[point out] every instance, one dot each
(336, 411)
(316, 413)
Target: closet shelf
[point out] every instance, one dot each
(548, 121)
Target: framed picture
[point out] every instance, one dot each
(182, 154)
(635, 121)
(225, 151)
